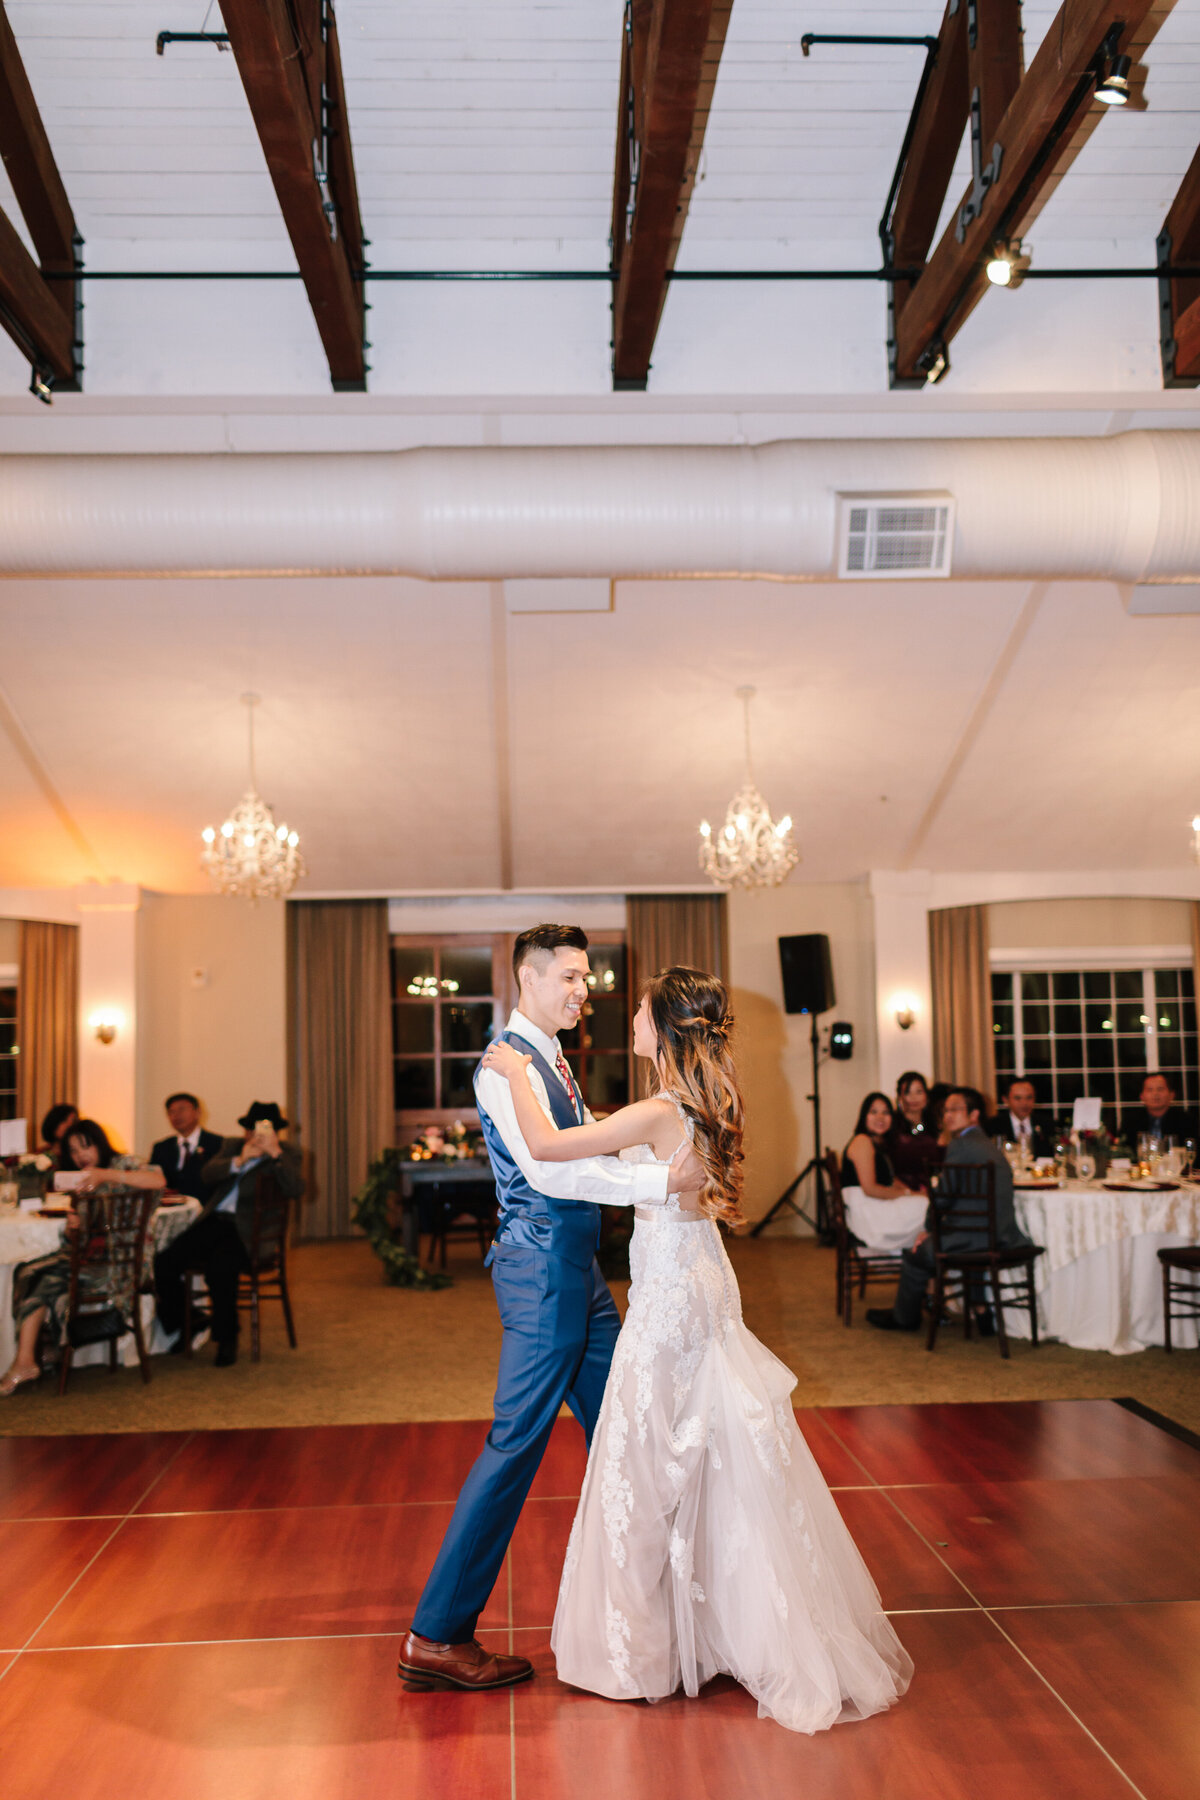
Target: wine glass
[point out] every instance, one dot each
(1085, 1164)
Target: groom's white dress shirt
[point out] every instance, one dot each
(605, 1180)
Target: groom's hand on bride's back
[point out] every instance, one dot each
(687, 1175)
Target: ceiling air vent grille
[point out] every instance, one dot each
(894, 537)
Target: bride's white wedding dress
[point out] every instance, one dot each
(706, 1540)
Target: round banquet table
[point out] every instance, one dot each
(1099, 1284)
(24, 1235)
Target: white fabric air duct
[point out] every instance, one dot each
(1125, 507)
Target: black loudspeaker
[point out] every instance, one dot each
(807, 973)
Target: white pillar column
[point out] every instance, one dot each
(902, 904)
(108, 989)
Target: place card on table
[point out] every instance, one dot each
(1085, 1115)
(14, 1137)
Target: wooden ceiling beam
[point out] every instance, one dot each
(1179, 297)
(39, 315)
(671, 55)
(287, 56)
(924, 181)
(1048, 115)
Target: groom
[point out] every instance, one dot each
(559, 1320)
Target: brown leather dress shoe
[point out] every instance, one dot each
(424, 1664)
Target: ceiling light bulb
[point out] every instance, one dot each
(208, 834)
(1000, 271)
(227, 829)
(784, 825)
(706, 828)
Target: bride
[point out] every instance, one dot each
(706, 1541)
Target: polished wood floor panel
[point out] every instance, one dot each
(233, 1629)
(977, 1724)
(1131, 1675)
(323, 1465)
(307, 1720)
(78, 1477)
(310, 1572)
(1024, 1543)
(1051, 1440)
(39, 1560)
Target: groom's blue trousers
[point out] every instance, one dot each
(560, 1327)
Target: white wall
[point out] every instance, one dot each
(212, 1006)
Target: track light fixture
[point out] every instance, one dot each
(41, 383)
(934, 362)
(1114, 89)
(1007, 264)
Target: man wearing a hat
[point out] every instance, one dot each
(218, 1244)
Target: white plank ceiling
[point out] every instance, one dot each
(483, 133)
(483, 136)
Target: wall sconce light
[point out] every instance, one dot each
(904, 1007)
(106, 1024)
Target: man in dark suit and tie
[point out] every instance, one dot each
(1158, 1116)
(962, 1117)
(1015, 1121)
(182, 1157)
(218, 1243)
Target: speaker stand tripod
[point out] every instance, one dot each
(814, 1166)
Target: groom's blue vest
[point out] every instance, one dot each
(566, 1228)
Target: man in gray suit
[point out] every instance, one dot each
(962, 1117)
(218, 1243)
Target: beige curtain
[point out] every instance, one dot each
(664, 929)
(340, 1051)
(963, 1048)
(1196, 949)
(47, 1020)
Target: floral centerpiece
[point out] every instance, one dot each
(445, 1143)
(31, 1171)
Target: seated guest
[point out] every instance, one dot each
(915, 1148)
(41, 1288)
(1158, 1115)
(883, 1215)
(962, 1118)
(1015, 1122)
(938, 1090)
(57, 1122)
(218, 1244)
(183, 1157)
(867, 1158)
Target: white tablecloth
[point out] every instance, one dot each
(24, 1236)
(886, 1227)
(1099, 1285)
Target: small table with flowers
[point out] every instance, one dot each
(449, 1156)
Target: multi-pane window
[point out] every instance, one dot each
(599, 1056)
(451, 994)
(1096, 1032)
(443, 1016)
(8, 1052)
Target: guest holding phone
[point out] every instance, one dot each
(218, 1244)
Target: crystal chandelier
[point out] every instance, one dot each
(750, 850)
(250, 854)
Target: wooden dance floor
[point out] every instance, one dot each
(219, 1614)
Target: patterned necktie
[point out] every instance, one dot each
(560, 1063)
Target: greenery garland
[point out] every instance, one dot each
(373, 1214)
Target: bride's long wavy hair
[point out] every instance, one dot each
(689, 1011)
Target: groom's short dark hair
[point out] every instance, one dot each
(544, 940)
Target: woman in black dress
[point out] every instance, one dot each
(916, 1152)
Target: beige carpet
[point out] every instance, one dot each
(368, 1353)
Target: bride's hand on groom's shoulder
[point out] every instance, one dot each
(504, 1059)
